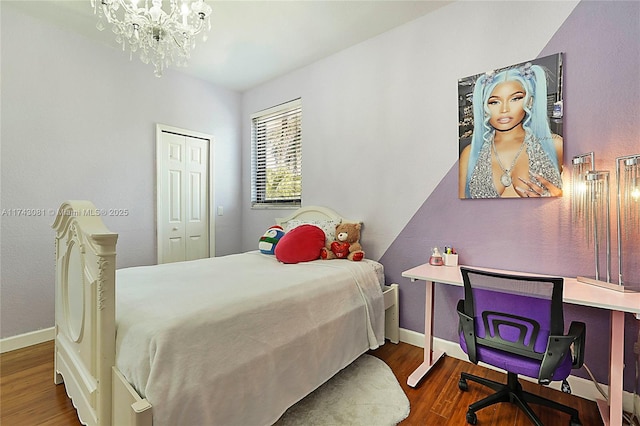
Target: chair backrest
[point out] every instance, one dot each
(513, 313)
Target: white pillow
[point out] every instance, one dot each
(328, 226)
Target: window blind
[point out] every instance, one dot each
(276, 158)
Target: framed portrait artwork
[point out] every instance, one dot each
(510, 131)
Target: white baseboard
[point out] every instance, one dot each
(580, 387)
(23, 340)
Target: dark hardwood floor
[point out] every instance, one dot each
(29, 397)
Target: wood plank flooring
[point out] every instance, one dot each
(28, 395)
(438, 401)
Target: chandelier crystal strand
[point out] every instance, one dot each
(160, 37)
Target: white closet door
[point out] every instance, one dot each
(197, 213)
(183, 213)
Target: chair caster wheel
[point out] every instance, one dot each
(463, 385)
(472, 419)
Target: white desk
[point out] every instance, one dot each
(575, 292)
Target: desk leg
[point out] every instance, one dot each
(430, 357)
(612, 413)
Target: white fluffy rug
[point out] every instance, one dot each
(364, 393)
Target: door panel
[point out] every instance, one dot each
(197, 225)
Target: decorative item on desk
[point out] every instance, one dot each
(450, 259)
(628, 220)
(591, 203)
(450, 256)
(582, 164)
(436, 257)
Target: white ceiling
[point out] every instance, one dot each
(254, 41)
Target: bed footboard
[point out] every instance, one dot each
(85, 309)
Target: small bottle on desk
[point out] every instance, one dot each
(436, 257)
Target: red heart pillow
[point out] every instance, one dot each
(302, 244)
(341, 250)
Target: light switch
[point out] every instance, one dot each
(220, 211)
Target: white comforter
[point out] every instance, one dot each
(236, 340)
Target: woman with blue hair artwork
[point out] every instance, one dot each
(512, 152)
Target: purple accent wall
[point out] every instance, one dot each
(602, 114)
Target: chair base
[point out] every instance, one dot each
(512, 392)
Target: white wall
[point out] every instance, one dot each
(78, 122)
(380, 118)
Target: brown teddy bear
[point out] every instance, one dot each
(347, 245)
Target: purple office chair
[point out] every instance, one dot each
(516, 323)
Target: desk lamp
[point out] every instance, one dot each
(590, 202)
(627, 206)
(581, 165)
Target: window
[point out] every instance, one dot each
(276, 156)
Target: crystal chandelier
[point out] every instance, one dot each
(161, 37)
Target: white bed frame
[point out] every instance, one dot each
(85, 316)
